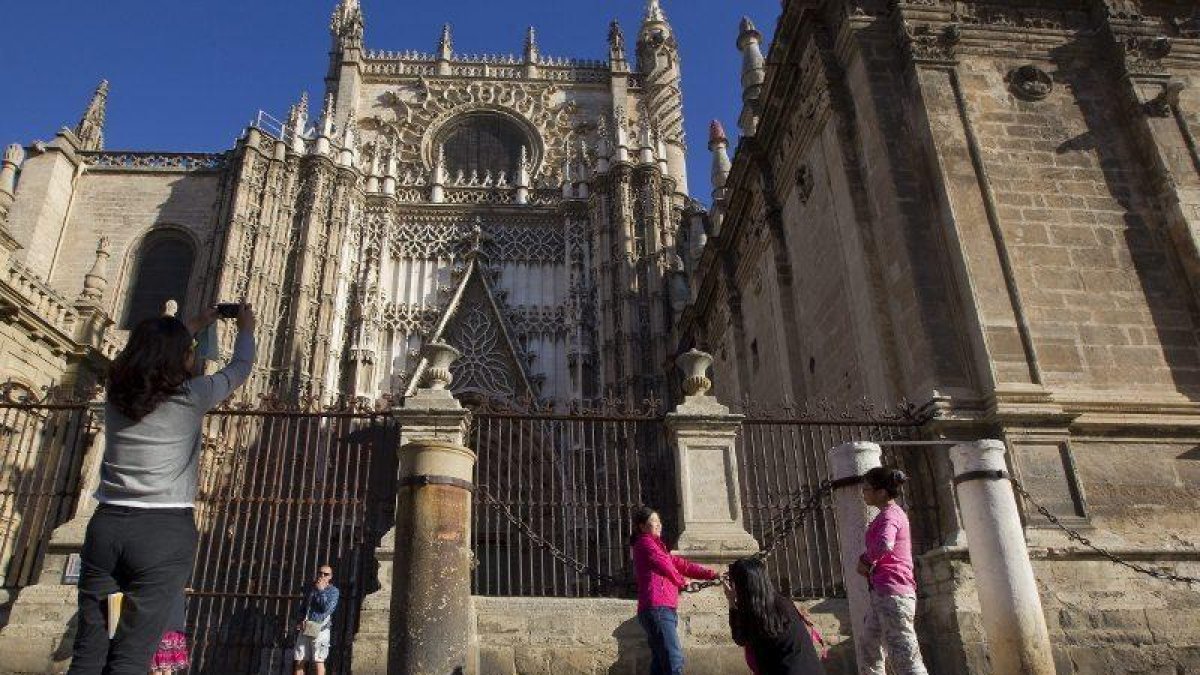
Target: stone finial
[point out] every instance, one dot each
(654, 12)
(718, 143)
(90, 130)
(694, 364)
(616, 44)
(170, 307)
(349, 154)
(14, 156)
(754, 73)
(327, 117)
(96, 279)
(297, 123)
(445, 48)
(531, 49)
(439, 356)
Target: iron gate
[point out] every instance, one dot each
(282, 492)
(783, 458)
(42, 445)
(575, 478)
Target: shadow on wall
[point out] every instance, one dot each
(1142, 233)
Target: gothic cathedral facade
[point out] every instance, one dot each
(523, 209)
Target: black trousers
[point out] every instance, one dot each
(146, 554)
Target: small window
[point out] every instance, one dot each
(161, 273)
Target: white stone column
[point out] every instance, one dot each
(1018, 641)
(848, 462)
(710, 506)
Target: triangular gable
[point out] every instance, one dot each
(474, 324)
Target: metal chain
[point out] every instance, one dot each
(793, 515)
(550, 547)
(1112, 557)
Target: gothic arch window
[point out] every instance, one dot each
(160, 273)
(481, 142)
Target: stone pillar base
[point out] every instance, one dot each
(719, 543)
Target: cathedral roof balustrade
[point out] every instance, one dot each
(156, 161)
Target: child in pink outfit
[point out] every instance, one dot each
(660, 576)
(888, 565)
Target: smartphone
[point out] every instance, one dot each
(229, 310)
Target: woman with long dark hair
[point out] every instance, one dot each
(767, 624)
(660, 576)
(142, 537)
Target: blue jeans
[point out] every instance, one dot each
(666, 653)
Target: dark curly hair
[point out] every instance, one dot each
(151, 368)
(637, 520)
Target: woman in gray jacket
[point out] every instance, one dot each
(142, 538)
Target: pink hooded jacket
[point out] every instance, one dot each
(660, 575)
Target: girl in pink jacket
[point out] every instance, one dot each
(660, 576)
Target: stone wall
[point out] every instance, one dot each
(545, 636)
(124, 206)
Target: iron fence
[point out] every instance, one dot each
(574, 478)
(783, 457)
(42, 445)
(282, 492)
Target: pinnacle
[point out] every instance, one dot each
(716, 133)
(654, 11)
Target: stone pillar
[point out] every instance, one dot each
(703, 433)
(430, 415)
(1018, 641)
(848, 463)
(431, 599)
(41, 630)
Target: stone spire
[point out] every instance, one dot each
(445, 48)
(346, 25)
(616, 47)
(754, 73)
(90, 130)
(445, 51)
(654, 12)
(297, 122)
(532, 55)
(718, 143)
(96, 280)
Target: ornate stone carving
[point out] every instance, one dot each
(503, 242)
(1030, 83)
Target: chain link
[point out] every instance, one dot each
(550, 547)
(1112, 557)
(793, 514)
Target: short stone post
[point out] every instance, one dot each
(703, 432)
(1018, 641)
(430, 417)
(848, 463)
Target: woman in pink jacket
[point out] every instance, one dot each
(660, 577)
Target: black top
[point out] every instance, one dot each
(790, 653)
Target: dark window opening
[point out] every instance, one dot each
(164, 265)
(481, 143)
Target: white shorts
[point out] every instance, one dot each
(315, 650)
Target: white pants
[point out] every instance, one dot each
(890, 628)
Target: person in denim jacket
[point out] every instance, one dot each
(320, 601)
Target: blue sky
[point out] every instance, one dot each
(189, 76)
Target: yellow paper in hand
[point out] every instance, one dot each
(114, 612)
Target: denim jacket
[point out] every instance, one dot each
(319, 605)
